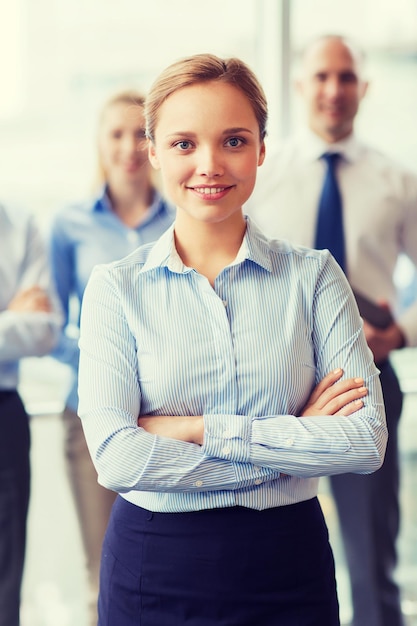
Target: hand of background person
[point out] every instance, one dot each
(382, 341)
(343, 398)
(32, 299)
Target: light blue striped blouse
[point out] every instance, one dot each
(156, 338)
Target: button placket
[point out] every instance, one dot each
(225, 396)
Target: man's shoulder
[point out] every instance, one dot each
(381, 159)
(385, 171)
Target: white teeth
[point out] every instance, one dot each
(209, 190)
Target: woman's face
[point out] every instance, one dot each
(207, 145)
(122, 144)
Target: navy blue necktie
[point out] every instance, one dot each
(329, 229)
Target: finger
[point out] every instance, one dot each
(351, 408)
(336, 404)
(341, 388)
(326, 383)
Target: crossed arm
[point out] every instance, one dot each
(327, 398)
(33, 299)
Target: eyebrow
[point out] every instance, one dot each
(227, 131)
(238, 129)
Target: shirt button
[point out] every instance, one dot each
(227, 434)
(258, 481)
(226, 450)
(225, 302)
(289, 441)
(198, 483)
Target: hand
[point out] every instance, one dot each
(343, 398)
(33, 299)
(188, 428)
(382, 341)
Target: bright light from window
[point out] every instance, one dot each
(10, 57)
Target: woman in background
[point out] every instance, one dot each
(128, 212)
(218, 521)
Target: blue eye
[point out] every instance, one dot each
(234, 142)
(183, 145)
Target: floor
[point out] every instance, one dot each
(54, 591)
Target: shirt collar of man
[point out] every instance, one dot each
(254, 248)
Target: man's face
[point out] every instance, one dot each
(332, 88)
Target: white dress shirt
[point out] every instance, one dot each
(23, 264)
(158, 339)
(379, 209)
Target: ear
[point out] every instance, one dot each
(262, 152)
(298, 87)
(153, 159)
(364, 88)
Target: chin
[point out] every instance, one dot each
(336, 127)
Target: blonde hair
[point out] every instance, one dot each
(205, 68)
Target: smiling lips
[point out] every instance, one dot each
(335, 109)
(131, 166)
(211, 192)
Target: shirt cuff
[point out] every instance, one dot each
(228, 437)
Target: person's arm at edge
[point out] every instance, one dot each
(35, 332)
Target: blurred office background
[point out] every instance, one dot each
(59, 60)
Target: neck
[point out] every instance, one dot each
(208, 247)
(329, 137)
(131, 202)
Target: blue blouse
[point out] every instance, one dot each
(82, 236)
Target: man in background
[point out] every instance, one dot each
(29, 326)
(325, 188)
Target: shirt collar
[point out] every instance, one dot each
(312, 147)
(102, 203)
(254, 248)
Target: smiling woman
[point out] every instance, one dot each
(127, 211)
(200, 354)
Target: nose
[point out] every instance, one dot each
(334, 87)
(130, 144)
(209, 162)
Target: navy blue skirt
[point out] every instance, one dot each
(220, 567)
